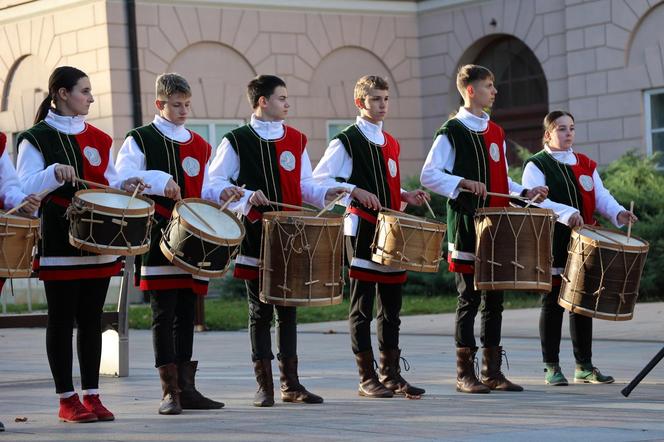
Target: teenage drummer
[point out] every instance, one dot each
(365, 159)
(172, 161)
(466, 160)
(271, 161)
(60, 147)
(573, 180)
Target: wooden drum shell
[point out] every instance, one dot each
(18, 237)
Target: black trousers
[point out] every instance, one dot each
(260, 321)
(362, 295)
(172, 325)
(468, 302)
(81, 302)
(550, 327)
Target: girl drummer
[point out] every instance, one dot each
(60, 147)
(573, 180)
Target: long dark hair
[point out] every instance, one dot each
(550, 120)
(62, 77)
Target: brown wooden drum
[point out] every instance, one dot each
(408, 242)
(513, 249)
(110, 222)
(18, 236)
(302, 259)
(603, 273)
(200, 238)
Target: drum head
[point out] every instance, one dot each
(114, 200)
(223, 224)
(610, 237)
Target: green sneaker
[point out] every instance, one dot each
(554, 376)
(590, 375)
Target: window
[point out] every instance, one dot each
(213, 130)
(654, 118)
(336, 126)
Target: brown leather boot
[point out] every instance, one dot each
(264, 396)
(291, 389)
(170, 401)
(190, 398)
(467, 381)
(389, 374)
(492, 376)
(370, 386)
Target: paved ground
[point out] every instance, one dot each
(577, 412)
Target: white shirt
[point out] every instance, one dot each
(131, 159)
(10, 186)
(437, 171)
(336, 163)
(30, 164)
(225, 166)
(605, 203)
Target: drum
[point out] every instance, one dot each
(200, 238)
(513, 248)
(18, 237)
(603, 273)
(110, 222)
(302, 259)
(408, 242)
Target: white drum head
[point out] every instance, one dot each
(609, 236)
(114, 200)
(225, 226)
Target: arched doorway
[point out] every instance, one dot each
(522, 100)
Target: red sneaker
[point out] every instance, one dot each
(72, 410)
(93, 404)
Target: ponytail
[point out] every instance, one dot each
(62, 77)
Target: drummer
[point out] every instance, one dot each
(271, 160)
(366, 159)
(573, 180)
(466, 160)
(60, 147)
(172, 161)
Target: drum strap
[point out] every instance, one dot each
(363, 214)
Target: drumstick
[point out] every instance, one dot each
(200, 218)
(290, 206)
(331, 204)
(133, 195)
(429, 207)
(92, 183)
(629, 225)
(503, 195)
(230, 200)
(532, 200)
(41, 195)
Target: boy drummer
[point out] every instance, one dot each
(366, 159)
(468, 154)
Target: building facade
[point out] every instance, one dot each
(602, 59)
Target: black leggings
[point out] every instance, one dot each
(172, 325)
(550, 326)
(388, 307)
(468, 303)
(80, 301)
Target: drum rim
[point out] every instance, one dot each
(215, 239)
(20, 221)
(101, 249)
(114, 211)
(414, 219)
(309, 218)
(193, 270)
(632, 248)
(534, 211)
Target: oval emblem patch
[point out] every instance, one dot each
(92, 155)
(392, 165)
(191, 166)
(494, 152)
(287, 160)
(586, 182)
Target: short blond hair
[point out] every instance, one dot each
(170, 84)
(368, 82)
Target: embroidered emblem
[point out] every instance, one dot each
(191, 166)
(392, 165)
(92, 155)
(494, 152)
(586, 182)
(287, 160)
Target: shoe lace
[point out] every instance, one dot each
(503, 354)
(405, 363)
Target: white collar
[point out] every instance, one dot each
(563, 156)
(269, 130)
(173, 131)
(65, 123)
(558, 152)
(374, 132)
(473, 122)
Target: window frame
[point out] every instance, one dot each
(328, 123)
(647, 117)
(211, 124)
